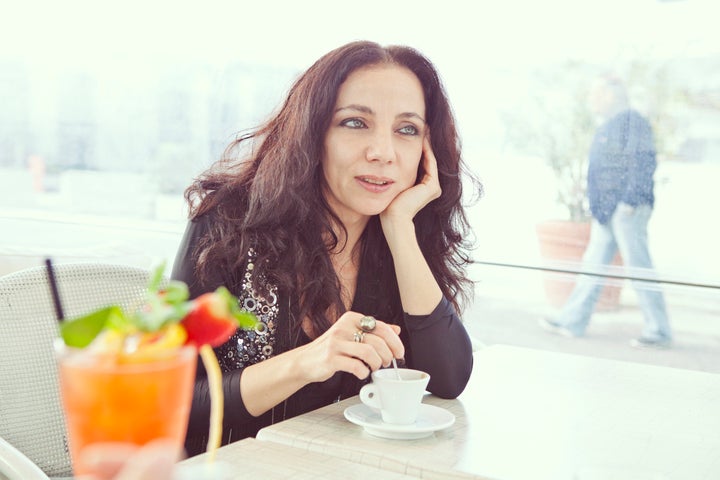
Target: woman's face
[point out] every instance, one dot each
(374, 143)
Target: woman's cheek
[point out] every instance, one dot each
(410, 172)
(410, 182)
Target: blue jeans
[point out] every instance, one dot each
(627, 232)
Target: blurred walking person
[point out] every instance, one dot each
(620, 188)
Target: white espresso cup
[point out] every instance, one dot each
(397, 399)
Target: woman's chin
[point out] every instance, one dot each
(367, 208)
(367, 212)
(371, 211)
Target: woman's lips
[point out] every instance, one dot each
(374, 184)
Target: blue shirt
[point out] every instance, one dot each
(621, 165)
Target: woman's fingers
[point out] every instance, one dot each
(365, 352)
(354, 366)
(345, 347)
(431, 178)
(123, 461)
(390, 339)
(384, 340)
(105, 460)
(154, 461)
(381, 348)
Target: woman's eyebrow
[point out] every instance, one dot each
(359, 108)
(411, 115)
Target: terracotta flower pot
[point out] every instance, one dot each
(565, 241)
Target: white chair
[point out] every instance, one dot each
(31, 418)
(16, 466)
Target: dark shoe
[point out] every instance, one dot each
(556, 328)
(654, 343)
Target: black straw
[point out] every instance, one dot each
(54, 290)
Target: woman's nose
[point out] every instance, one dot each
(381, 148)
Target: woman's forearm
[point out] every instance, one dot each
(419, 291)
(271, 381)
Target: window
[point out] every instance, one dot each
(109, 112)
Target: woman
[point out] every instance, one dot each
(347, 204)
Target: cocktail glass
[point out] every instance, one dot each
(109, 399)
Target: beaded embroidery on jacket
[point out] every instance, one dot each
(248, 347)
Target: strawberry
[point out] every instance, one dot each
(214, 317)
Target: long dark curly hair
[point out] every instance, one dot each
(266, 194)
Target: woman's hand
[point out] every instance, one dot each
(406, 205)
(419, 289)
(336, 349)
(125, 461)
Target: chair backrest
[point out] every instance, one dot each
(31, 417)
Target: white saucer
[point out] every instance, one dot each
(430, 419)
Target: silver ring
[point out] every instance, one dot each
(358, 336)
(367, 323)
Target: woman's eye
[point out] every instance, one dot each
(409, 130)
(353, 123)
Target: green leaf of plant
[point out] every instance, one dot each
(81, 331)
(158, 312)
(176, 292)
(156, 278)
(246, 320)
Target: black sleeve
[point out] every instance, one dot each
(237, 421)
(440, 345)
(184, 269)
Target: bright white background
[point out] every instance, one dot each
(484, 50)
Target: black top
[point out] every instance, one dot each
(437, 344)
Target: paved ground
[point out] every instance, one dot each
(508, 305)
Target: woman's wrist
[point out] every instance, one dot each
(272, 381)
(398, 232)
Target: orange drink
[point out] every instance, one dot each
(134, 399)
(127, 377)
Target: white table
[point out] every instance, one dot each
(251, 458)
(530, 414)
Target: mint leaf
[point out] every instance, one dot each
(81, 331)
(156, 278)
(245, 319)
(176, 292)
(157, 312)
